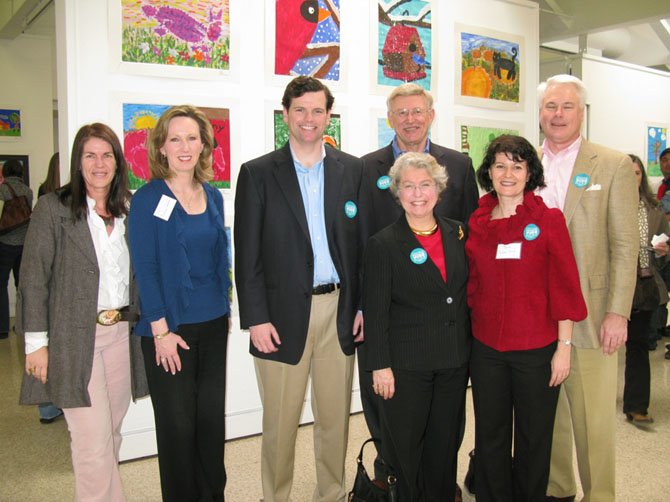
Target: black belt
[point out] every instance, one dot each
(324, 289)
(111, 317)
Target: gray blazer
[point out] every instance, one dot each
(58, 293)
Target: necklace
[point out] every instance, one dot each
(107, 220)
(186, 203)
(424, 233)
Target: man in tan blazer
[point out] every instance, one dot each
(596, 189)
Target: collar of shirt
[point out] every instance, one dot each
(397, 152)
(311, 183)
(557, 170)
(111, 251)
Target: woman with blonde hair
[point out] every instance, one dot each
(179, 251)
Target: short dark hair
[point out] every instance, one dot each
(302, 85)
(518, 149)
(74, 193)
(664, 153)
(12, 167)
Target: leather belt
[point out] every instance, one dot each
(111, 317)
(323, 289)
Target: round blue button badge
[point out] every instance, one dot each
(581, 180)
(350, 209)
(531, 232)
(418, 256)
(383, 182)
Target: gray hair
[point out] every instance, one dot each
(409, 89)
(557, 80)
(419, 161)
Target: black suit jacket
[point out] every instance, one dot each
(274, 260)
(457, 202)
(413, 319)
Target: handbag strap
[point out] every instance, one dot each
(11, 189)
(359, 459)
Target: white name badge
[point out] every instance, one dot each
(510, 251)
(164, 208)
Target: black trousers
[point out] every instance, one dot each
(372, 412)
(189, 410)
(637, 375)
(421, 432)
(372, 409)
(511, 395)
(10, 261)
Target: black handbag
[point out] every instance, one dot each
(371, 490)
(15, 213)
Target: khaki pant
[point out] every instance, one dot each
(282, 388)
(586, 408)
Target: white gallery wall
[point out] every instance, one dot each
(93, 84)
(26, 64)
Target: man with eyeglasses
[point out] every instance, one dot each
(410, 113)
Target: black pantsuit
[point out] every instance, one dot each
(418, 325)
(637, 374)
(420, 424)
(511, 390)
(191, 468)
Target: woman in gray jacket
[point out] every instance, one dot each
(74, 306)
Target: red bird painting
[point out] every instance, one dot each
(296, 22)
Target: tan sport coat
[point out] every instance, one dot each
(602, 221)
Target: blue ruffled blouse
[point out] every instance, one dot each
(181, 264)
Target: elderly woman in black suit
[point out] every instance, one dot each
(417, 331)
(74, 307)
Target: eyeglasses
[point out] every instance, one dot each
(403, 113)
(423, 187)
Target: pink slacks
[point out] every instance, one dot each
(95, 431)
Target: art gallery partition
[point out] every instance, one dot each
(467, 43)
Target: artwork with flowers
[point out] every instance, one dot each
(307, 38)
(139, 119)
(331, 135)
(194, 33)
(656, 142)
(404, 48)
(490, 67)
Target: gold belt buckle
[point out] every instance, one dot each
(108, 317)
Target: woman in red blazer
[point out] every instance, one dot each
(417, 332)
(524, 295)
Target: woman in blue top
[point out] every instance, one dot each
(179, 251)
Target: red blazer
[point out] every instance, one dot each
(516, 303)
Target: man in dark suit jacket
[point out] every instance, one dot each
(298, 242)
(410, 113)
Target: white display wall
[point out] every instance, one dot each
(93, 84)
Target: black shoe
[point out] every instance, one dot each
(51, 420)
(561, 499)
(3, 336)
(665, 331)
(651, 346)
(667, 354)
